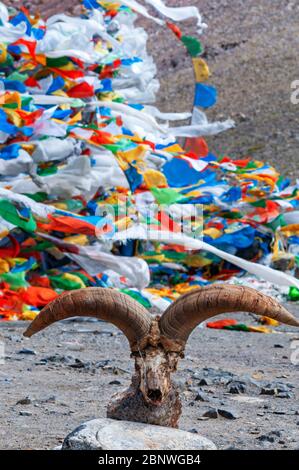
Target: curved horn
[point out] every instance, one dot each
(188, 311)
(106, 304)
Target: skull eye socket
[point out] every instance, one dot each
(138, 354)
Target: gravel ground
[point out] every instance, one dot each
(67, 374)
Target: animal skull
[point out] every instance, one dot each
(157, 343)
(154, 366)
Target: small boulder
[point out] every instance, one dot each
(110, 434)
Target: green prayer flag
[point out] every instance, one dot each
(193, 45)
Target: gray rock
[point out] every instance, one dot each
(29, 352)
(58, 359)
(24, 401)
(201, 396)
(193, 431)
(285, 395)
(109, 434)
(49, 399)
(270, 437)
(211, 413)
(205, 381)
(228, 413)
(279, 389)
(25, 413)
(101, 364)
(180, 384)
(236, 387)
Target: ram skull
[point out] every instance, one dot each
(157, 343)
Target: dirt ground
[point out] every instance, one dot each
(66, 375)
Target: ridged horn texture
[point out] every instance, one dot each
(180, 318)
(106, 304)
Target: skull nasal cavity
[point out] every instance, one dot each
(154, 394)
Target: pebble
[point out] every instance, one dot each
(201, 396)
(180, 384)
(211, 413)
(270, 437)
(254, 431)
(50, 399)
(236, 387)
(209, 376)
(277, 389)
(24, 401)
(27, 351)
(101, 364)
(193, 431)
(79, 364)
(228, 413)
(25, 413)
(204, 382)
(265, 438)
(58, 359)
